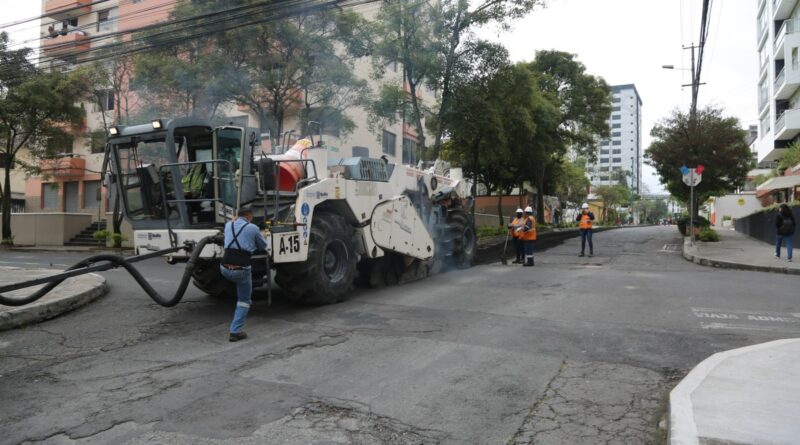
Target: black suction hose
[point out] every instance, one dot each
(115, 261)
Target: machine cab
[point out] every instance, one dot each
(179, 174)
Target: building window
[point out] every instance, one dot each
(50, 196)
(362, 152)
(60, 144)
(616, 143)
(604, 160)
(794, 58)
(97, 141)
(617, 151)
(105, 101)
(603, 152)
(616, 160)
(616, 125)
(616, 100)
(603, 169)
(389, 143)
(409, 151)
(616, 134)
(91, 194)
(765, 125)
(614, 109)
(107, 20)
(615, 117)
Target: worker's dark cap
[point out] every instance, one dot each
(244, 211)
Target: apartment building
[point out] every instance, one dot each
(72, 28)
(621, 154)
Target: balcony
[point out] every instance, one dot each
(780, 40)
(71, 44)
(65, 165)
(782, 9)
(787, 125)
(64, 9)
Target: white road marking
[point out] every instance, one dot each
(751, 320)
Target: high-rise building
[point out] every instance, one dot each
(620, 156)
(778, 43)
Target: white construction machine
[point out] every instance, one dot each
(328, 222)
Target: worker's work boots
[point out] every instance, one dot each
(529, 263)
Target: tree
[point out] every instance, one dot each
(612, 196)
(34, 107)
(493, 119)
(571, 183)
(791, 157)
(709, 138)
(455, 18)
(405, 38)
(583, 104)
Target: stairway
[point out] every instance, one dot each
(85, 238)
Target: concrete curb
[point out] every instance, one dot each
(721, 264)
(682, 427)
(45, 310)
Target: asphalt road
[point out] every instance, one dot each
(574, 350)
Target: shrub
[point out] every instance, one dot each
(683, 223)
(491, 230)
(116, 239)
(708, 234)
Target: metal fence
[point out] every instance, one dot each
(761, 226)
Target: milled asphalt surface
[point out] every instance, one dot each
(575, 350)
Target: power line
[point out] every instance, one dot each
(51, 14)
(168, 25)
(139, 14)
(148, 42)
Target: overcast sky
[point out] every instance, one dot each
(623, 41)
(627, 41)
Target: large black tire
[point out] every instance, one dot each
(327, 275)
(461, 234)
(207, 278)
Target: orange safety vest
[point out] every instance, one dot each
(585, 222)
(516, 222)
(530, 235)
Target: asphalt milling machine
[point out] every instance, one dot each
(329, 222)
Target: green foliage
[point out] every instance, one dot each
(612, 195)
(708, 234)
(116, 239)
(791, 157)
(490, 230)
(683, 223)
(35, 106)
(570, 181)
(710, 139)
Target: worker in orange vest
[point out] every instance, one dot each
(585, 219)
(528, 235)
(514, 231)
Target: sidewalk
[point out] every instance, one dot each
(737, 251)
(71, 294)
(748, 395)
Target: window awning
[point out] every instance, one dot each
(781, 182)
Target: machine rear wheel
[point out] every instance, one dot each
(207, 278)
(461, 232)
(327, 275)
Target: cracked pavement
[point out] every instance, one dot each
(575, 350)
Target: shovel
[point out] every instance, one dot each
(503, 257)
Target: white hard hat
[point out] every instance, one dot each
(528, 209)
(519, 211)
(585, 206)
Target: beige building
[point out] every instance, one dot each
(73, 183)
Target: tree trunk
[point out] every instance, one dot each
(500, 209)
(448, 71)
(540, 195)
(6, 204)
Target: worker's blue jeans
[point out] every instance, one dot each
(779, 240)
(529, 250)
(586, 234)
(244, 290)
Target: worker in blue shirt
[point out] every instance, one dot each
(242, 238)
